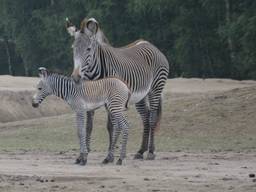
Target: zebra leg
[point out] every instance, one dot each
(89, 125)
(110, 131)
(124, 126)
(110, 156)
(143, 110)
(154, 120)
(82, 159)
(115, 134)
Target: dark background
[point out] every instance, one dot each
(201, 38)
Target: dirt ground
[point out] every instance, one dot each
(172, 172)
(207, 142)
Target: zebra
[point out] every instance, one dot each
(140, 64)
(89, 95)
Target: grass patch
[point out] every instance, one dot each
(193, 123)
(57, 134)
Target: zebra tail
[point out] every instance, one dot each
(159, 116)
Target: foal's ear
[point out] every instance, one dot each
(42, 72)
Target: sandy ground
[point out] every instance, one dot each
(208, 136)
(172, 172)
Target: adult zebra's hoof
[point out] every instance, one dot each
(151, 156)
(119, 162)
(78, 160)
(105, 161)
(83, 162)
(138, 156)
(108, 160)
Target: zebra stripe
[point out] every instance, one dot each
(140, 64)
(89, 95)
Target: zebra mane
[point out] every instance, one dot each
(101, 38)
(59, 75)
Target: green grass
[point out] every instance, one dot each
(199, 123)
(59, 134)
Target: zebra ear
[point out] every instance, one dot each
(42, 72)
(91, 26)
(70, 27)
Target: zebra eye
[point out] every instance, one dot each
(88, 49)
(40, 88)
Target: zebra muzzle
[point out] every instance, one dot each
(75, 75)
(76, 78)
(35, 105)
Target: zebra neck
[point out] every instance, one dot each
(61, 86)
(105, 57)
(98, 69)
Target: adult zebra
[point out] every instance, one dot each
(140, 64)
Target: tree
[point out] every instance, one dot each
(201, 38)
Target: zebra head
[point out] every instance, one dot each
(43, 89)
(84, 47)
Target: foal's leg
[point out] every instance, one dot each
(115, 108)
(89, 125)
(110, 130)
(82, 159)
(115, 133)
(123, 125)
(110, 127)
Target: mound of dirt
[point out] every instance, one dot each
(195, 85)
(16, 94)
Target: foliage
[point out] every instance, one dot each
(201, 38)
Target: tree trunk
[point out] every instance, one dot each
(26, 70)
(8, 54)
(230, 40)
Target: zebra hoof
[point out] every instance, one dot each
(107, 160)
(78, 160)
(151, 156)
(119, 162)
(138, 156)
(83, 162)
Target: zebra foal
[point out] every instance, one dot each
(89, 95)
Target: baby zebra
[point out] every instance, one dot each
(85, 96)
